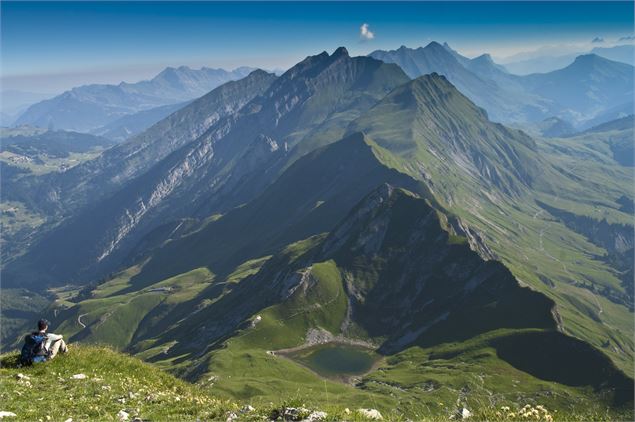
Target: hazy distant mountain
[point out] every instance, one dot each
(623, 123)
(485, 67)
(553, 127)
(477, 79)
(92, 106)
(542, 63)
(613, 113)
(586, 88)
(132, 124)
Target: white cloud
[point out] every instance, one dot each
(365, 33)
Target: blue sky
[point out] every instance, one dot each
(51, 46)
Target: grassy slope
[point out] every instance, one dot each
(469, 373)
(418, 382)
(116, 312)
(431, 380)
(412, 382)
(115, 382)
(532, 243)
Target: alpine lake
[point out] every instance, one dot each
(335, 360)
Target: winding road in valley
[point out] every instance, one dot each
(79, 320)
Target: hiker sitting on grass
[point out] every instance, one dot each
(41, 346)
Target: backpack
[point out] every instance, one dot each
(33, 349)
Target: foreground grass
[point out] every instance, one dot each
(111, 383)
(114, 382)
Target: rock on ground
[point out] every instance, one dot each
(370, 414)
(316, 416)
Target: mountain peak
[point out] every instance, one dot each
(587, 58)
(586, 61)
(341, 51)
(484, 58)
(435, 46)
(434, 77)
(259, 73)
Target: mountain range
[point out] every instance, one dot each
(353, 203)
(313, 101)
(93, 106)
(546, 61)
(586, 89)
(124, 110)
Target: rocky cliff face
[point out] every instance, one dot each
(410, 281)
(229, 164)
(99, 178)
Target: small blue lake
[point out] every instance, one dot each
(336, 360)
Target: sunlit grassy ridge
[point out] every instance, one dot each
(495, 180)
(114, 382)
